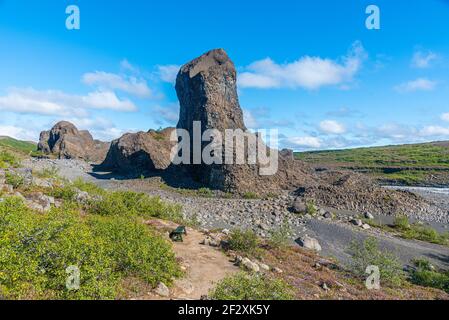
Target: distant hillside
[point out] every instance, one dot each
(17, 145)
(416, 164)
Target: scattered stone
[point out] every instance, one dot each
(264, 267)
(299, 206)
(369, 216)
(309, 243)
(324, 286)
(277, 270)
(357, 222)
(251, 266)
(162, 290)
(43, 183)
(366, 226)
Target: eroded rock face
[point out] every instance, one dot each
(207, 91)
(67, 142)
(140, 152)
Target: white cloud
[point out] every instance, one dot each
(303, 142)
(421, 84)
(53, 102)
(110, 81)
(445, 117)
(168, 73)
(422, 59)
(307, 72)
(332, 127)
(49, 102)
(26, 134)
(108, 100)
(434, 131)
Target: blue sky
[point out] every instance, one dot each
(308, 68)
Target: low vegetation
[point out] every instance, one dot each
(426, 275)
(368, 253)
(243, 286)
(245, 241)
(416, 231)
(24, 147)
(280, 238)
(406, 164)
(38, 249)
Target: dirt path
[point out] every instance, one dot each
(204, 266)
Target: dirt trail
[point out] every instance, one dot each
(204, 265)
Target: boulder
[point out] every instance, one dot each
(162, 290)
(140, 152)
(299, 206)
(309, 243)
(207, 92)
(65, 141)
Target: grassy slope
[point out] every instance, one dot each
(17, 145)
(406, 164)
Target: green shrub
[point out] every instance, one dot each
(15, 180)
(367, 253)
(425, 275)
(401, 222)
(47, 173)
(205, 192)
(88, 187)
(66, 192)
(37, 249)
(311, 208)
(8, 159)
(127, 203)
(251, 287)
(243, 241)
(250, 196)
(280, 238)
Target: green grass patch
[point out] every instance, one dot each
(426, 275)
(21, 146)
(243, 286)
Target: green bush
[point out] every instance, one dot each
(15, 180)
(250, 196)
(367, 253)
(251, 287)
(243, 241)
(127, 203)
(205, 192)
(37, 249)
(47, 173)
(401, 222)
(66, 192)
(419, 232)
(8, 159)
(425, 275)
(280, 238)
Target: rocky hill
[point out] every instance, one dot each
(65, 141)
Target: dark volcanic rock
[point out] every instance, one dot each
(207, 91)
(140, 152)
(67, 142)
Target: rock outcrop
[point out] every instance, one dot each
(140, 152)
(207, 92)
(65, 141)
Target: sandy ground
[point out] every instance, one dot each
(204, 266)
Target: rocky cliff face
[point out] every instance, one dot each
(140, 152)
(207, 92)
(65, 141)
